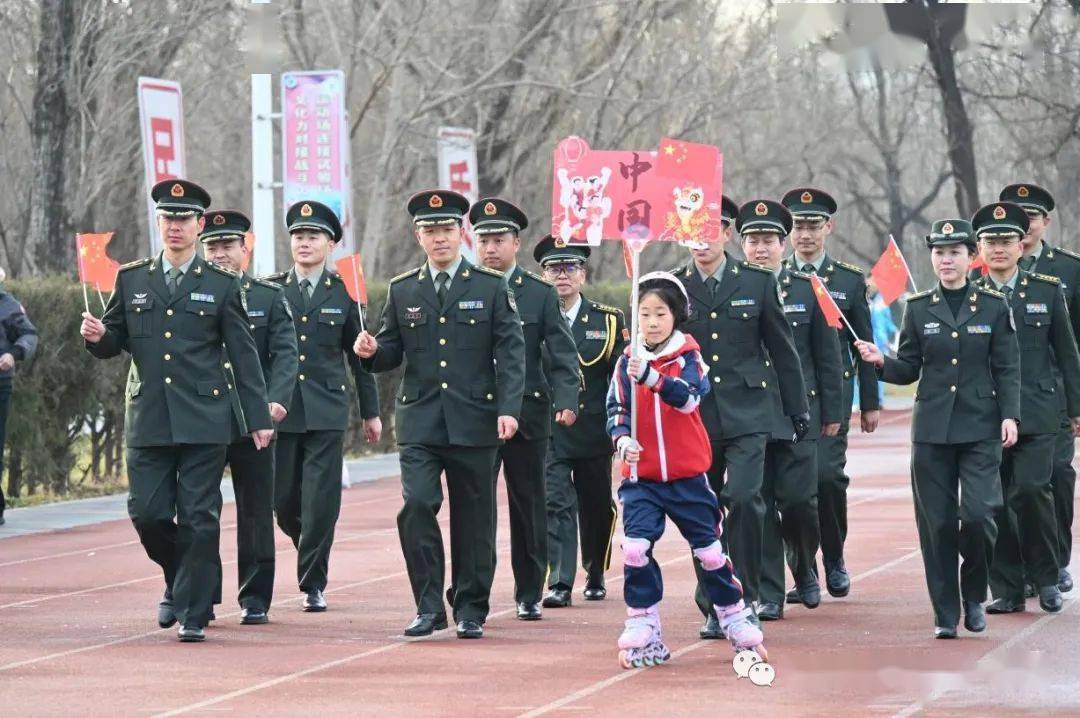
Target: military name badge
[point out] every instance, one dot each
(789, 308)
(141, 300)
(255, 313)
(331, 310)
(471, 304)
(413, 314)
(932, 328)
(978, 329)
(197, 297)
(838, 295)
(1037, 309)
(595, 334)
(742, 302)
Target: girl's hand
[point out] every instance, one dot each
(629, 450)
(636, 368)
(870, 353)
(1009, 433)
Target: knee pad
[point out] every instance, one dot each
(712, 556)
(636, 551)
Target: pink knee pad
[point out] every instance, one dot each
(635, 551)
(712, 556)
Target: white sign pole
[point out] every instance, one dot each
(635, 348)
(262, 174)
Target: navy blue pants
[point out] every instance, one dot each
(693, 508)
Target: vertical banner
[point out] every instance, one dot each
(458, 171)
(161, 120)
(315, 149)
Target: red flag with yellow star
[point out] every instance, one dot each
(833, 316)
(95, 266)
(891, 273)
(689, 162)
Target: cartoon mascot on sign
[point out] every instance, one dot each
(691, 222)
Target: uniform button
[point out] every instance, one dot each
(403, 397)
(251, 326)
(228, 365)
(168, 380)
(745, 315)
(581, 406)
(302, 357)
(331, 322)
(954, 361)
(230, 386)
(847, 375)
(303, 337)
(716, 379)
(716, 357)
(202, 313)
(523, 324)
(952, 388)
(767, 364)
(1038, 323)
(955, 335)
(303, 319)
(763, 385)
(442, 320)
(138, 310)
(169, 356)
(794, 324)
(445, 385)
(712, 315)
(343, 387)
(168, 335)
(490, 397)
(217, 392)
(442, 363)
(169, 312)
(412, 325)
(301, 377)
(472, 321)
(536, 394)
(715, 335)
(813, 392)
(442, 341)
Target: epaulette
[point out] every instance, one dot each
(759, 267)
(799, 275)
(538, 278)
(606, 308)
(137, 263)
(279, 277)
(1068, 252)
(991, 292)
(485, 270)
(334, 275)
(403, 275)
(221, 270)
(920, 295)
(850, 267)
(1046, 278)
(266, 283)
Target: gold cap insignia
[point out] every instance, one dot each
(1022, 192)
(489, 209)
(560, 242)
(177, 190)
(305, 210)
(806, 198)
(947, 228)
(219, 219)
(435, 202)
(761, 209)
(999, 212)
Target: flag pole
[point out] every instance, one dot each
(85, 297)
(101, 297)
(635, 266)
(848, 325)
(356, 278)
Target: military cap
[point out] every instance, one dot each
(764, 215)
(1000, 219)
(224, 224)
(729, 210)
(179, 198)
(1028, 196)
(549, 250)
(809, 203)
(492, 215)
(437, 206)
(950, 231)
(309, 214)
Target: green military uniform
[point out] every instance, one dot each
(307, 486)
(577, 468)
(464, 356)
(1065, 265)
(967, 363)
(178, 415)
(745, 339)
(790, 483)
(252, 470)
(522, 457)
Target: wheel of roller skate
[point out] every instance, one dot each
(624, 659)
(649, 661)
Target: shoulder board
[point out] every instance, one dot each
(920, 295)
(485, 270)
(221, 270)
(680, 270)
(334, 275)
(403, 275)
(1067, 252)
(137, 263)
(759, 267)
(606, 308)
(537, 277)
(266, 283)
(992, 292)
(279, 277)
(849, 267)
(799, 275)
(1046, 278)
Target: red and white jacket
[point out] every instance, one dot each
(674, 444)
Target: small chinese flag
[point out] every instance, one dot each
(352, 272)
(249, 244)
(891, 273)
(980, 265)
(833, 315)
(687, 161)
(95, 266)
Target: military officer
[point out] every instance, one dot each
(18, 341)
(1026, 524)
(307, 485)
(172, 313)
(745, 339)
(813, 211)
(790, 481)
(958, 341)
(496, 224)
(456, 328)
(577, 468)
(1043, 258)
(270, 321)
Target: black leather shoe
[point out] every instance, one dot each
(212, 616)
(1030, 591)
(557, 598)
(253, 616)
(529, 611)
(595, 593)
(469, 628)
(425, 624)
(1065, 582)
(808, 592)
(1006, 605)
(794, 597)
(770, 611)
(191, 634)
(837, 580)
(165, 616)
(711, 630)
(944, 631)
(315, 601)
(1050, 599)
(974, 617)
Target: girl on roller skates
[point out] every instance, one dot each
(670, 456)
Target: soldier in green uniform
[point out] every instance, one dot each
(813, 211)
(1027, 532)
(577, 468)
(270, 321)
(791, 481)
(496, 224)
(307, 486)
(1043, 258)
(173, 313)
(959, 343)
(456, 328)
(745, 339)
